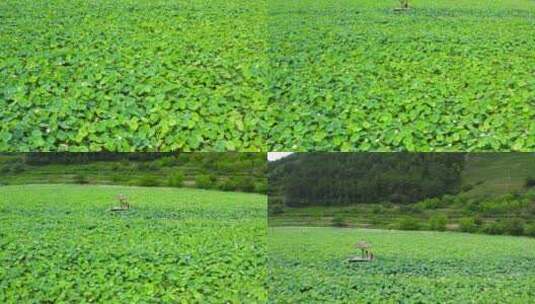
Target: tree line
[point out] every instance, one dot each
(310, 179)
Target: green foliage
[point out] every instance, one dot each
(308, 265)
(468, 224)
(493, 228)
(467, 187)
(433, 79)
(338, 221)
(530, 230)
(95, 79)
(378, 209)
(308, 179)
(174, 170)
(175, 245)
(530, 182)
(261, 187)
(408, 223)
(432, 203)
(246, 184)
(404, 4)
(148, 181)
(295, 76)
(438, 222)
(80, 179)
(514, 226)
(275, 210)
(12, 168)
(205, 181)
(116, 179)
(176, 180)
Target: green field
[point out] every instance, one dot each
(446, 76)
(60, 244)
(307, 265)
(237, 75)
(126, 75)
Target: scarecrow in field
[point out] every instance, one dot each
(365, 250)
(123, 201)
(404, 4)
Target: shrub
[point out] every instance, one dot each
(377, 209)
(140, 166)
(478, 220)
(338, 221)
(468, 224)
(531, 209)
(168, 161)
(151, 166)
(176, 180)
(493, 228)
(387, 205)
(80, 179)
(18, 168)
(479, 182)
(473, 205)
(408, 223)
(447, 200)
(410, 209)
(438, 222)
(430, 203)
(245, 184)
(530, 230)
(278, 209)
(204, 181)
(467, 187)
(514, 226)
(261, 187)
(530, 182)
(460, 200)
(148, 181)
(226, 185)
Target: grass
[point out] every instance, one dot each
(499, 172)
(58, 243)
(307, 265)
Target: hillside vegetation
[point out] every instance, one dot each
(223, 171)
(351, 178)
(496, 196)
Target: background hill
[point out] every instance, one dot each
(223, 171)
(492, 193)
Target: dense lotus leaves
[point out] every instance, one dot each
(59, 244)
(266, 75)
(447, 75)
(307, 265)
(131, 75)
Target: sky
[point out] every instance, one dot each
(277, 155)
